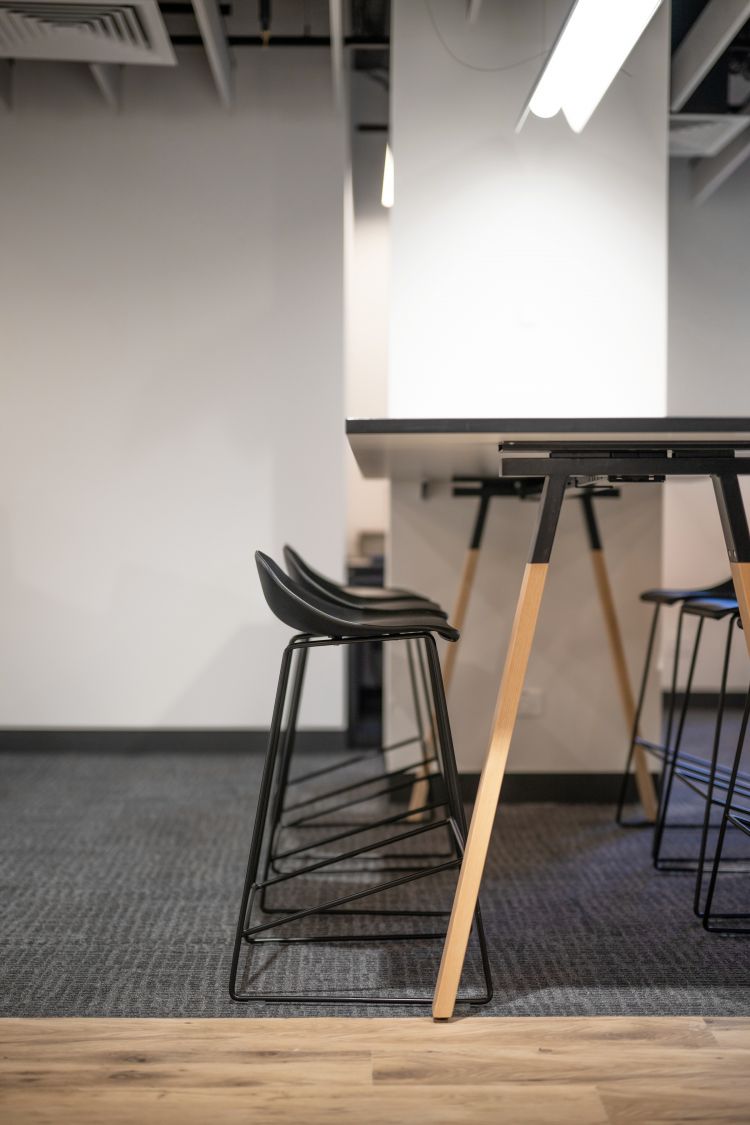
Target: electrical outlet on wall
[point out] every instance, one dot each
(530, 706)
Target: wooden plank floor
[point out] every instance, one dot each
(374, 1071)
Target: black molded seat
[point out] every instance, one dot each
(714, 608)
(666, 596)
(308, 613)
(355, 597)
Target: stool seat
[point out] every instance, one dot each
(380, 598)
(667, 596)
(310, 614)
(713, 608)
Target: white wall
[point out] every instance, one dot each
(529, 271)
(172, 393)
(709, 344)
(529, 279)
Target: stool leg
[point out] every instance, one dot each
(443, 736)
(285, 760)
(672, 706)
(453, 788)
(458, 616)
(635, 728)
(737, 539)
(488, 794)
(672, 752)
(712, 770)
(420, 791)
(261, 814)
(644, 783)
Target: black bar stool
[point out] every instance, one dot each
(320, 623)
(308, 809)
(703, 609)
(660, 598)
(733, 786)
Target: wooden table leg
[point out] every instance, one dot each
(421, 788)
(506, 711)
(737, 539)
(466, 585)
(644, 781)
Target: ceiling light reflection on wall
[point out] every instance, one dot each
(387, 194)
(594, 42)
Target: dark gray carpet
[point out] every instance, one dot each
(120, 876)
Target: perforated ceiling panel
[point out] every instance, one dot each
(85, 31)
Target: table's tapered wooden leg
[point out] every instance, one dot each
(737, 539)
(421, 788)
(741, 579)
(458, 616)
(506, 711)
(644, 781)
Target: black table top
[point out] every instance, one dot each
(439, 448)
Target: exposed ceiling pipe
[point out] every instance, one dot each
(108, 77)
(6, 82)
(264, 20)
(362, 43)
(213, 36)
(336, 25)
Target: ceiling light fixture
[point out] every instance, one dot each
(594, 42)
(387, 194)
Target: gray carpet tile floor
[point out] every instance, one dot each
(120, 877)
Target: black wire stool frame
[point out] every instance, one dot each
(454, 823)
(687, 767)
(659, 750)
(396, 780)
(736, 814)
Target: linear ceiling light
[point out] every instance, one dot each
(387, 194)
(594, 42)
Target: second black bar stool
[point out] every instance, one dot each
(308, 807)
(660, 598)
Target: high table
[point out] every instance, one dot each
(561, 451)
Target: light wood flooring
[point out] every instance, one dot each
(374, 1071)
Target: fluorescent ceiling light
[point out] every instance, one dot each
(594, 42)
(386, 197)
